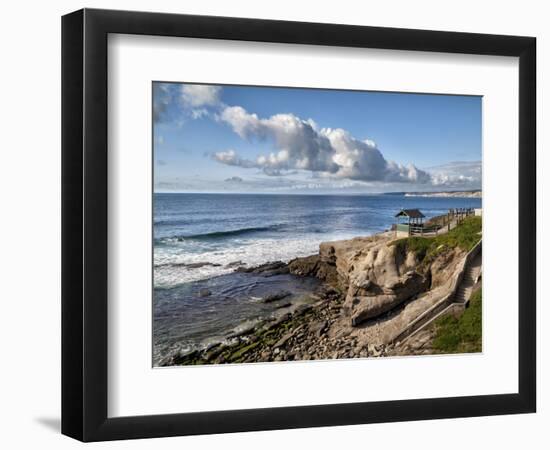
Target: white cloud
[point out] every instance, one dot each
(231, 158)
(174, 102)
(199, 95)
(301, 145)
(458, 174)
(161, 100)
(199, 113)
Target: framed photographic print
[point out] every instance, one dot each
(274, 224)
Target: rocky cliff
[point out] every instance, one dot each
(375, 274)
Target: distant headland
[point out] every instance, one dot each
(446, 194)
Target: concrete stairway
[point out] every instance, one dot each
(471, 274)
(452, 303)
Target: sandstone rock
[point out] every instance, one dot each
(396, 291)
(445, 266)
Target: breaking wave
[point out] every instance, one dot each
(220, 234)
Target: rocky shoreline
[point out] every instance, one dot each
(372, 287)
(306, 334)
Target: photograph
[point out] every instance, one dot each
(259, 225)
(300, 224)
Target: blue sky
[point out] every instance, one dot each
(258, 139)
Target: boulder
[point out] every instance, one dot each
(315, 266)
(364, 307)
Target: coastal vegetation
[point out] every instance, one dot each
(462, 334)
(464, 236)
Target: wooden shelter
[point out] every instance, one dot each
(409, 221)
(413, 216)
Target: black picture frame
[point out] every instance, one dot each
(84, 224)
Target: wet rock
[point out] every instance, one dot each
(319, 328)
(213, 351)
(284, 305)
(283, 340)
(277, 322)
(315, 266)
(204, 292)
(302, 309)
(304, 266)
(267, 269)
(234, 264)
(277, 296)
(183, 358)
(244, 331)
(198, 265)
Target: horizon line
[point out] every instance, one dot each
(317, 193)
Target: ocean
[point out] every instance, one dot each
(199, 240)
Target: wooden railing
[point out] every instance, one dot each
(453, 218)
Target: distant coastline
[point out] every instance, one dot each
(456, 194)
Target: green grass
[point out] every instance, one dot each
(464, 236)
(419, 245)
(462, 335)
